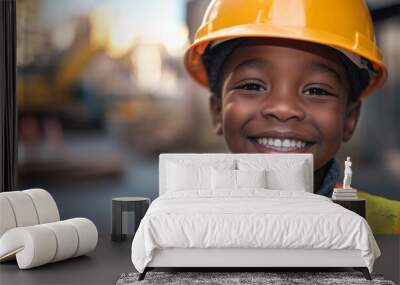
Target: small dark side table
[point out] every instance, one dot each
(138, 205)
(356, 205)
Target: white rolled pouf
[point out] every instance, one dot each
(67, 239)
(33, 246)
(7, 218)
(30, 230)
(87, 234)
(40, 244)
(23, 208)
(45, 205)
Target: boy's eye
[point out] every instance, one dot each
(251, 86)
(316, 91)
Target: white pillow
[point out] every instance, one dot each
(188, 177)
(227, 179)
(293, 180)
(223, 179)
(251, 178)
(282, 174)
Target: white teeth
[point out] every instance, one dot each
(281, 144)
(286, 143)
(277, 143)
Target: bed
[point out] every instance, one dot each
(246, 211)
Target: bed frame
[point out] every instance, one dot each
(247, 259)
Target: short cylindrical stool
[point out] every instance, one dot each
(138, 205)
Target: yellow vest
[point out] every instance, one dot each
(383, 215)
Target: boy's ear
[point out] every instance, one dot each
(216, 113)
(351, 119)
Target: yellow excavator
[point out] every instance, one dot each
(50, 88)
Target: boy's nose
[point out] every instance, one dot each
(283, 107)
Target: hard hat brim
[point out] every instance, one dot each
(360, 46)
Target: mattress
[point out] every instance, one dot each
(251, 218)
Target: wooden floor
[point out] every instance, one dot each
(103, 266)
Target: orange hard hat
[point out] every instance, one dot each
(342, 24)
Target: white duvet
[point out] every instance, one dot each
(254, 218)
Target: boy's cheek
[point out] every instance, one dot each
(329, 124)
(234, 118)
(236, 114)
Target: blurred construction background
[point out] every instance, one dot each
(102, 91)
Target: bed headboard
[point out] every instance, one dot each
(164, 158)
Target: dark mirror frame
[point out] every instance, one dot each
(8, 104)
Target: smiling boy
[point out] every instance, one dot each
(287, 75)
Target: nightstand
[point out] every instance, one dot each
(356, 205)
(138, 205)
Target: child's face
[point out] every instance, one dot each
(278, 96)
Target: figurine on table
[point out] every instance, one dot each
(346, 192)
(347, 174)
